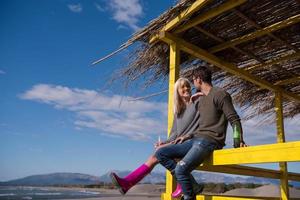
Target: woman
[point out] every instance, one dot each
(185, 116)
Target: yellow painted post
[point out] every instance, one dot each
(284, 187)
(173, 76)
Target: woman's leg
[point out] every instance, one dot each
(124, 184)
(152, 162)
(167, 155)
(199, 151)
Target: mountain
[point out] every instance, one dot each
(204, 177)
(153, 177)
(54, 179)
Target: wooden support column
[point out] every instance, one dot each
(284, 187)
(173, 76)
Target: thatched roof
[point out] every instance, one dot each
(256, 55)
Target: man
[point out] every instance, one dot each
(216, 109)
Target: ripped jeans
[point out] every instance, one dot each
(193, 152)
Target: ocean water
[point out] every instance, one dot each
(32, 193)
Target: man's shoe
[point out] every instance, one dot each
(198, 189)
(189, 198)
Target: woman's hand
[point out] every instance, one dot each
(181, 139)
(160, 145)
(157, 144)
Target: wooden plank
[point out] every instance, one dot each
(279, 25)
(229, 67)
(274, 61)
(288, 81)
(185, 14)
(249, 54)
(271, 153)
(173, 76)
(247, 171)
(284, 186)
(210, 14)
(253, 23)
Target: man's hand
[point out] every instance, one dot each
(243, 144)
(195, 96)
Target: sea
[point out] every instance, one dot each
(32, 193)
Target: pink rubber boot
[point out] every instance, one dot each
(178, 192)
(124, 184)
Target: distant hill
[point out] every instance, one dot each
(154, 178)
(54, 179)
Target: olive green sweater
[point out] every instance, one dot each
(215, 109)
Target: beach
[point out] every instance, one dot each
(138, 192)
(142, 192)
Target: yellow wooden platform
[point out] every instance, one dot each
(229, 160)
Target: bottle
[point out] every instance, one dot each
(236, 136)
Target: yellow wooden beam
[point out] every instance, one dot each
(284, 186)
(279, 25)
(288, 81)
(247, 171)
(227, 197)
(279, 117)
(274, 61)
(229, 67)
(210, 14)
(253, 23)
(223, 197)
(154, 39)
(181, 17)
(281, 152)
(173, 76)
(185, 14)
(250, 54)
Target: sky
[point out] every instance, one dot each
(59, 114)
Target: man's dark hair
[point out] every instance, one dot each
(204, 73)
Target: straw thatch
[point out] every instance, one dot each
(153, 59)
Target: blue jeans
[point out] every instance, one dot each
(193, 152)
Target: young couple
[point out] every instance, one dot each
(199, 127)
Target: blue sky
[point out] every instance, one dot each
(57, 112)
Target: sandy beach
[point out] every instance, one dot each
(138, 192)
(126, 197)
(152, 192)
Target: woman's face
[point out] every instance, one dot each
(184, 90)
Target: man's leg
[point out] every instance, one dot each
(200, 150)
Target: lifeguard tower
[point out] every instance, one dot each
(255, 45)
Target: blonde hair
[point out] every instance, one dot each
(179, 105)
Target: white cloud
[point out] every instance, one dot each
(126, 12)
(76, 8)
(99, 7)
(112, 115)
(115, 116)
(2, 72)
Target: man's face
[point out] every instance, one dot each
(197, 83)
